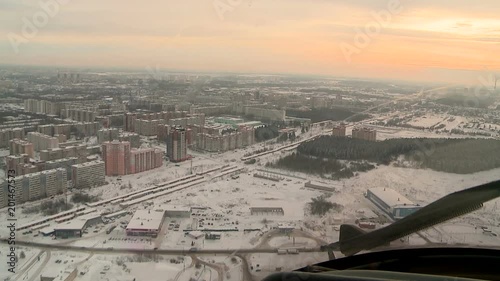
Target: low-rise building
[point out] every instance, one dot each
(145, 223)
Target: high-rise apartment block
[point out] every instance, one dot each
(364, 134)
(177, 144)
(120, 159)
(145, 159)
(339, 131)
(35, 186)
(41, 141)
(88, 174)
(116, 156)
(18, 146)
(8, 134)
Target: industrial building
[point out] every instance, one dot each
(319, 186)
(213, 235)
(145, 223)
(391, 202)
(88, 174)
(76, 226)
(177, 212)
(277, 211)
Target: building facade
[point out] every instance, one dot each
(18, 146)
(145, 159)
(177, 144)
(88, 174)
(42, 142)
(9, 134)
(364, 134)
(339, 131)
(116, 156)
(35, 186)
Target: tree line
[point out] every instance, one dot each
(461, 156)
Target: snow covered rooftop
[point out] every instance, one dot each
(390, 196)
(72, 224)
(170, 208)
(146, 219)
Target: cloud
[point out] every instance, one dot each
(269, 36)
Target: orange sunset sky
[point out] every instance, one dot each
(452, 41)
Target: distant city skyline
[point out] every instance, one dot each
(435, 41)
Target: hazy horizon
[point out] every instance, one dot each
(433, 41)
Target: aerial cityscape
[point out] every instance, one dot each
(227, 166)
(217, 143)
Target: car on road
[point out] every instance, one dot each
(193, 249)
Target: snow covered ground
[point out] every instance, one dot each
(228, 202)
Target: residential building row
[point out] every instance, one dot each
(121, 159)
(35, 186)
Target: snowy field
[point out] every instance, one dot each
(227, 202)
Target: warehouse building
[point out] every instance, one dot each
(277, 211)
(145, 223)
(75, 227)
(391, 202)
(177, 212)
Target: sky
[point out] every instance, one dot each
(416, 40)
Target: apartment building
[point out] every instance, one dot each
(145, 159)
(116, 156)
(88, 174)
(8, 134)
(65, 163)
(42, 142)
(364, 134)
(104, 135)
(17, 146)
(219, 143)
(43, 107)
(133, 138)
(339, 131)
(35, 186)
(177, 144)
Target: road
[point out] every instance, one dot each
(183, 270)
(220, 271)
(28, 266)
(36, 274)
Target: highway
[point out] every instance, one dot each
(112, 250)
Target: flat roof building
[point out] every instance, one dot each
(391, 202)
(145, 223)
(267, 211)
